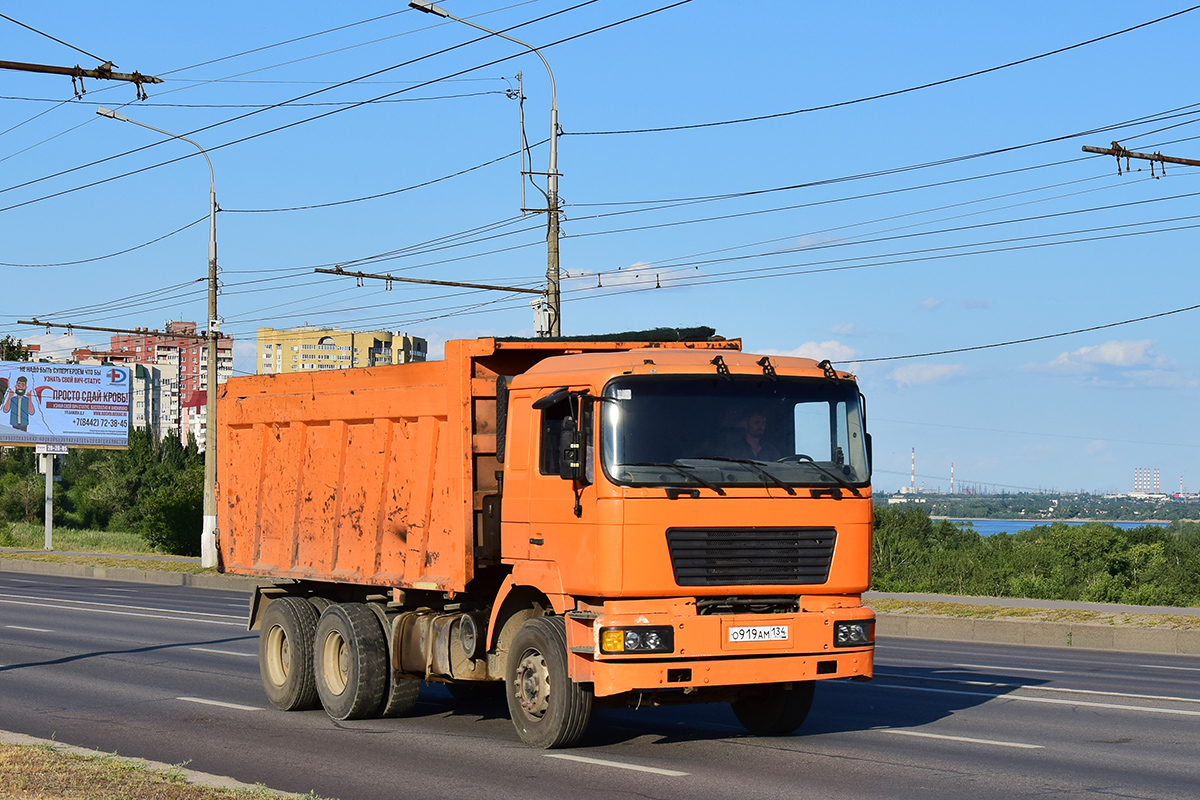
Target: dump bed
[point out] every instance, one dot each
(377, 476)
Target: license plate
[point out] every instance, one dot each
(758, 633)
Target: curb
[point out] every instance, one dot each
(131, 575)
(1126, 639)
(191, 776)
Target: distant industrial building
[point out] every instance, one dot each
(314, 348)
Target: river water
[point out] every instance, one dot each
(987, 527)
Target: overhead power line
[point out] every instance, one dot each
(893, 93)
(1026, 340)
(54, 38)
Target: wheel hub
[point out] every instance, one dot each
(533, 685)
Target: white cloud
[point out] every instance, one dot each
(60, 345)
(818, 351)
(931, 304)
(918, 374)
(1095, 446)
(1128, 353)
(976, 303)
(847, 329)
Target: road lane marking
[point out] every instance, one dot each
(925, 735)
(22, 580)
(1013, 669)
(180, 616)
(59, 600)
(224, 652)
(600, 762)
(1060, 689)
(1161, 666)
(24, 628)
(1050, 700)
(234, 706)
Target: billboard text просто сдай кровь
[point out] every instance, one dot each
(68, 404)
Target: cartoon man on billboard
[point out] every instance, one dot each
(18, 402)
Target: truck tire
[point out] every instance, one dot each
(350, 661)
(285, 660)
(548, 709)
(775, 709)
(402, 694)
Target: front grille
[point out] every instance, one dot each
(750, 556)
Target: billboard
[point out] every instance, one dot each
(64, 404)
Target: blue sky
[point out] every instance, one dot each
(953, 216)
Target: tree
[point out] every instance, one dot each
(13, 349)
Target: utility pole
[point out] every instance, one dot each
(1119, 152)
(102, 72)
(553, 298)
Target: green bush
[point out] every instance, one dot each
(1095, 562)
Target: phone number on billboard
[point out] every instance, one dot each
(100, 422)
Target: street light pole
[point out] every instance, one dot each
(208, 538)
(552, 206)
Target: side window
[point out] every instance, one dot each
(551, 436)
(550, 440)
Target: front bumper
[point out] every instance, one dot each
(704, 656)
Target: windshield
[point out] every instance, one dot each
(697, 432)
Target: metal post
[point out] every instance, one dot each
(552, 208)
(208, 538)
(48, 465)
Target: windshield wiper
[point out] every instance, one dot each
(681, 469)
(757, 467)
(826, 472)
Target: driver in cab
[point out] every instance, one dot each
(752, 443)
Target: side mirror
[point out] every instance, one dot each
(870, 459)
(571, 451)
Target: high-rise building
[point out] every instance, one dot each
(189, 354)
(309, 347)
(154, 389)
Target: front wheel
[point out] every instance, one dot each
(548, 709)
(774, 709)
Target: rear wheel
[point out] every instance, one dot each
(547, 708)
(402, 694)
(350, 661)
(775, 709)
(285, 646)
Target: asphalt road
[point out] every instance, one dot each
(170, 674)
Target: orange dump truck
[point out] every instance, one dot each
(620, 522)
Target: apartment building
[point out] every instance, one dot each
(310, 347)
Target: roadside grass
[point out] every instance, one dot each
(102, 549)
(33, 536)
(929, 608)
(46, 772)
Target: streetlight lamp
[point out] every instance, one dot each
(208, 538)
(552, 209)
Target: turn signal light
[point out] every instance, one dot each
(657, 639)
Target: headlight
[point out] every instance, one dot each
(659, 639)
(853, 633)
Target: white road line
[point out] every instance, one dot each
(180, 617)
(59, 600)
(234, 706)
(22, 580)
(35, 630)
(924, 735)
(1161, 666)
(1012, 669)
(1051, 700)
(600, 762)
(1059, 689)
(223, 652)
